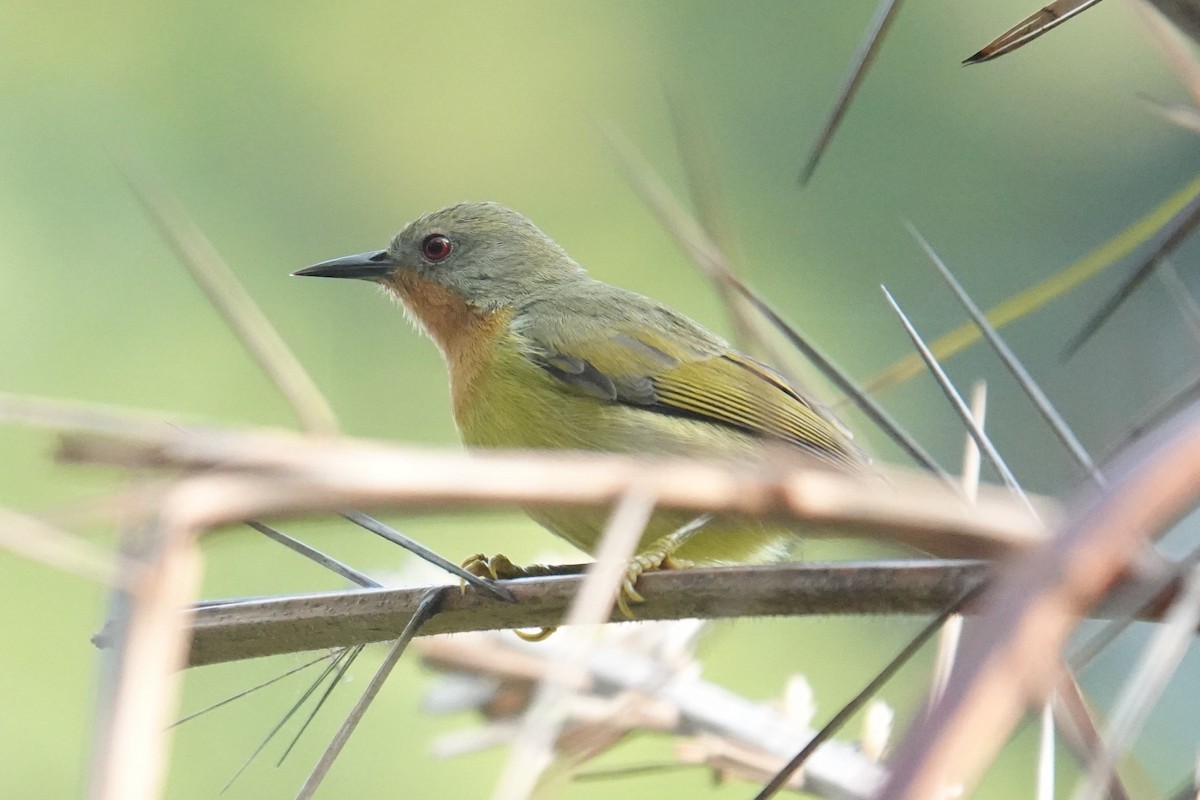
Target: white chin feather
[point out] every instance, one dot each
(409, 315)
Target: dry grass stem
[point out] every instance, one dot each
(1045, 762)
(36, 540)
(72, 416)
(951, 633)
(235, 305)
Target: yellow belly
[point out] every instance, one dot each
(511, 403)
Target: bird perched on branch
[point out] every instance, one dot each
(540, 355)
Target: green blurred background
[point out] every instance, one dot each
(295, 132)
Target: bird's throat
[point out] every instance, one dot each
(463, 332)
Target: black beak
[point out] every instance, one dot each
(364, 266)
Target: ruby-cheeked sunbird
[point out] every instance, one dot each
(541, 355)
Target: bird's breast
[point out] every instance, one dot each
(466, 335)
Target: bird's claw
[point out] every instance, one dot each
(656, 558)
(499, 567)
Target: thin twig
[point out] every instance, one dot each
(40, 541)
(870, 690)
(142, 670)
(956, 401)
(708, 258)
(395, 537)
(268, 626)
(1159, 661)
(1135, 600)
(426, 609)
(237, 630)
(1173, 234)
(311, 553)
(270, 475)
(64, 416)
(1011, 659)
(1030, 28)
(234, 303)
(645, 678)
(864, 56)
(1043, 404)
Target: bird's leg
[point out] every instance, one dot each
(500, 567)
(661, 555)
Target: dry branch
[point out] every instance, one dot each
(252, 628)
(240, 629)
(251, 475)
(140, 684)
(1011, 659)
(637, 680)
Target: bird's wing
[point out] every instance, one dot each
(690, 375)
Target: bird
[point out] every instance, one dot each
(540, 355)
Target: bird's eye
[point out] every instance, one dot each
(436, 247)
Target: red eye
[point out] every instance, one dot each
(436, 247)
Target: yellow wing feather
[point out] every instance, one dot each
(733, 390)
(700, 379)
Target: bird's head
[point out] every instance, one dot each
(484, 254)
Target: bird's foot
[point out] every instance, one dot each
(499, 567)
(659, 556)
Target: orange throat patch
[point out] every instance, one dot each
(463, 332)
